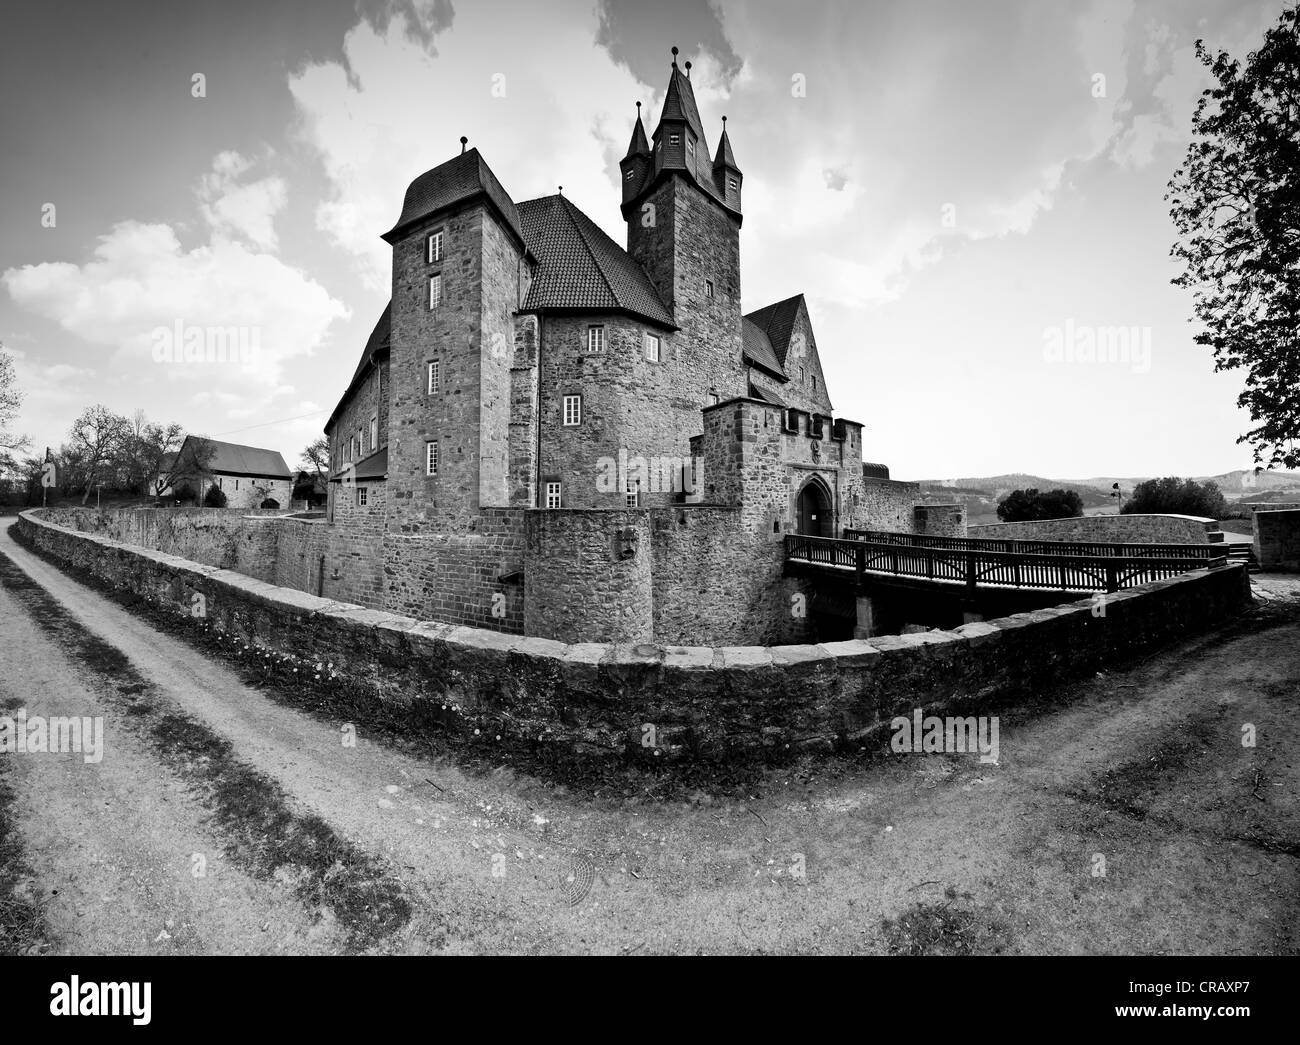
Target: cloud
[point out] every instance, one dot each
(240, 211)
(141, 280)
(543, 106)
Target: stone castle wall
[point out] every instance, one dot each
(594, 699)
(1277, 539)
(1120, 529)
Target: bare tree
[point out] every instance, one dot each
(11, 399)
(97, 436)
(316, 458)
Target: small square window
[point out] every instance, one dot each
(435, 290)
(552, 495)
(435, 246)
(431, 457)
(713, 398)
(596, 339)
(732, 183)
(674, 139)
(435, 376)
(708, 288)
(652, 347)
(572, 411)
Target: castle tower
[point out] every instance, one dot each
(457, 253)
(683, 227)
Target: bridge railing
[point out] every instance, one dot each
(974, 567)
(996, 544)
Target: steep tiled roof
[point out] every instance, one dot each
(758, 349)
(380, 340)
(777, 321)
(237, 459)
(459, 179)
(679, 103)
(579, 267)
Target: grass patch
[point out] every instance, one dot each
(942, 929)
(23, 929)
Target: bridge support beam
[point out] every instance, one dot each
(868, 623)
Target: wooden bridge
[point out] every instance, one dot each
(1067, 566)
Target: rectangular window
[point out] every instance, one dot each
(435, 246)
(630, 488)
(552, 495)
(236, 484)
(801, 375)
(652, 347)
(596, 339)
(431, 457)
(361, 497)
(374, 432)
(814, 382)
(572, 411)
(713, 398)
(435, 290)
(435, 376)
(708, 288)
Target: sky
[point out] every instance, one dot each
(968, 194)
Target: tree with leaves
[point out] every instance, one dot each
(1030, 505)
(1174, 496)
(1235, 202)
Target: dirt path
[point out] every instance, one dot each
(1141, 774)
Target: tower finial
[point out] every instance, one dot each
(638, 110)
(724, 120)
(674, 54)
(463, 141)
(688, 70)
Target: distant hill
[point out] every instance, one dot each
(981, 494)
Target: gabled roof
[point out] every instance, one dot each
(579, 267)
(758, 349)
(463, 178)
(237, 459)
(378, 343)
(777, 321)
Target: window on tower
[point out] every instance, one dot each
(572, 411)
(553, 495)
(435, 246)
(596, 339)
(435, 290)
(435, 376)
(652, 347)
(708, 288)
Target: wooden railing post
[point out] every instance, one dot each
(860, 564)
(1112, 576)
(970, 571)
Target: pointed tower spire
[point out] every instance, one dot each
(638, 163)
(726, 175)
(639, 144)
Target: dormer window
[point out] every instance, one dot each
(627, 174)
(732, 184)
(674, 139)
(690, 149)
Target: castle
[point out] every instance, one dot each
(549, 434)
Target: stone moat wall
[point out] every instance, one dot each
(704, 702)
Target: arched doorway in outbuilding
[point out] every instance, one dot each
(813, 510)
